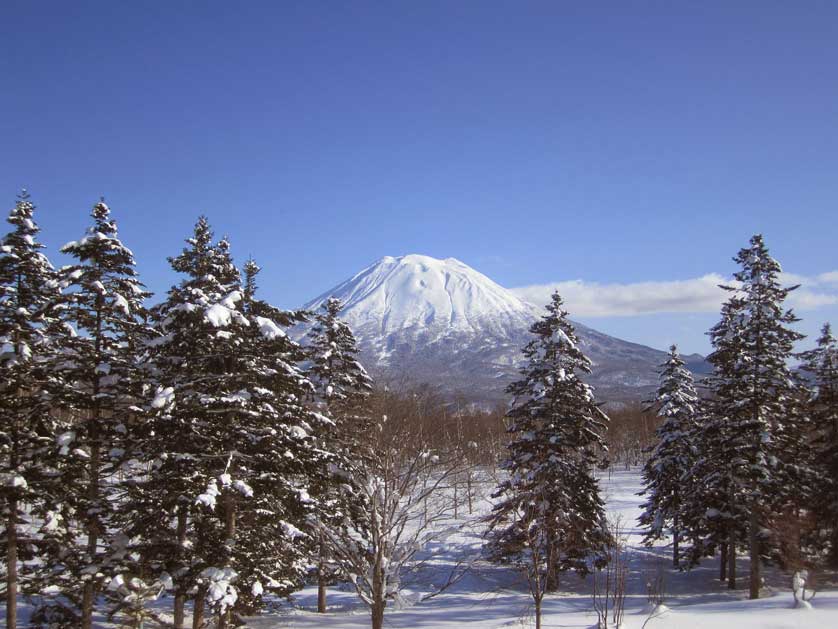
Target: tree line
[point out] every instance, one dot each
(750, 464)
(192, 449)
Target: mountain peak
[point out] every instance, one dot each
(417, 258)
(428, 295)
(442, 322)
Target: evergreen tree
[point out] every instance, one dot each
(231, 445)
(666, 470)
(822, 365)
(29, 327)
(714, 511)
(100, 368)
(757, 398)
(340, 379)
(160, 513)
(550, 516)
(289, 462)
(342, 387)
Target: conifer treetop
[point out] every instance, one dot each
(336, 370)
(550, 504)
(29, 290)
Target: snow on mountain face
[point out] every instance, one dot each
(422, 298)
(426, 320)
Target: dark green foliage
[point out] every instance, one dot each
(231, 447)
(100, 369)
(713, 510)
(30, 299)
(751, 465)
(550, 513)
(667, 469)
(821, 364)
(341, 390)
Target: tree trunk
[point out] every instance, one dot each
(675, 541)
(723, 564)
(551, 579)
(92, 532)
(377, 615)
(538, 613)
(731, 542)
(11, 566)
(93, 475)
(321, 577)
(456, 499)
(378, 600)
(753, 539)
(230, 518)
(179, 610)
(198, 612)
(180, 594)
(470, 503)
(731, 559)
(833, 559)
(833, 556)
(230, 532)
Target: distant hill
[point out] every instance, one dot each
(419, 319)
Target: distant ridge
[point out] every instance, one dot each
(424, 320)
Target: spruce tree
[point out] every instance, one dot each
(714, 513)
(340, 379)
(770, 410)
(549, 516)
(29, 329)
(288, 460)
(101, 370)
(665, 472)
(821, 363)
(232, 448)
(342, 386)
(158, 514)
(758, 400)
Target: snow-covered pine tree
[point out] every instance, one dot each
(100, 368)
(160, 513)
(340, 380)
(666, 470)
(287, 461)
(342, 387)
(231, 447)
(766, 428)
(713, 512)
(771, 412)
(822, 365)
(549, 516)
(29, 327)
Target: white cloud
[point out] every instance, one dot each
(828, 278)
(701, 294)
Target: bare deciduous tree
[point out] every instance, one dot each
(609, 595)
(408, 501)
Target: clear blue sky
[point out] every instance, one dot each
(613, 142)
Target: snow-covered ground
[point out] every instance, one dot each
(490, 597)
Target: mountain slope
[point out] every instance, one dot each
(420, 319)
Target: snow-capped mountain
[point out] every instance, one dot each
(419, 319)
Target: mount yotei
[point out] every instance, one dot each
(420, 319)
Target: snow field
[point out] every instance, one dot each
(494, 597)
